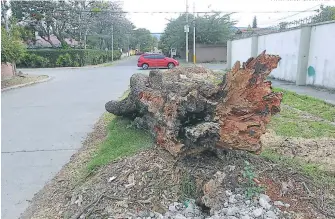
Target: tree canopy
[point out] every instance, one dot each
(210, 29)
(254, 22)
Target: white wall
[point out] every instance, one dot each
(241, 50)
(322, 55)
(286, 45)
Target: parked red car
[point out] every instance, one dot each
(156, 61)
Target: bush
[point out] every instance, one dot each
(33, 61)
(69, 57)
(64, 60)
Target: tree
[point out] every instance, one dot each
(12, 47)
(142, 40)
(325, 14)
(254, 22)
(210, 29)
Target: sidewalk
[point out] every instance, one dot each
(323, 94)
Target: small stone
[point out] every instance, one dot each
(232, 199)
(232, 217)
(179, 216)
(238, 196)
(264, 203)
(247, 202)
(278, 203)
(152, 214)
(228, 193)
(287, 205)
(224, 210)
(232, 211)
(271, 215)
(225, 204)
(245, 217)
(258, 212)
(267, 198)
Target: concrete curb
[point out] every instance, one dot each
(26, 84)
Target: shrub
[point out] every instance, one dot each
(71, 57)
(64, 60)
(34, 61)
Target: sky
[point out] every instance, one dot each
(247, 10)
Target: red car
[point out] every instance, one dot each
(156, 61)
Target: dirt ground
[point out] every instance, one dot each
(153, 179)
(22, 79)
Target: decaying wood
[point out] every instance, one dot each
(187, 112)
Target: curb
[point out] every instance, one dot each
(26, 84)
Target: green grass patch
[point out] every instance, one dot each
(308, 104)
(123, 140)
(315, 171)
(290, 123)
(188, 187)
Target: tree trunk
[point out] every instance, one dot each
(49, 41)
(187, 112)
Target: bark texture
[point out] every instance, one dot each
(187, 112)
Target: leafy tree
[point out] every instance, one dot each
(142, 40)
(12, 47)
(210, 29)
(325, 14)
(254, 22)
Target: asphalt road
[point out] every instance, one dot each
(44, 124)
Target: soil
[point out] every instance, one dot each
(320, 151)
(151, 180)
(22, 79)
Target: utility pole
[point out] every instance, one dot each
(112, 42)
(194, 57)
(186, 30)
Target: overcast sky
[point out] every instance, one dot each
(157, 22)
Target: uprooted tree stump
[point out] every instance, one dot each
(187, 112)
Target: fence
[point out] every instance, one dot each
(307, 53)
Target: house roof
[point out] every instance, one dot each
(42, 43)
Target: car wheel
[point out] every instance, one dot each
(170, 65)
(145, 66)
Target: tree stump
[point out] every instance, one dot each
(187, 112)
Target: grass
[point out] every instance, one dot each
(122, 140)
(188, 187)
(308, 104)
(290, 123)
(315, 171)
(16, 80)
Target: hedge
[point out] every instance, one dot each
(66, 57)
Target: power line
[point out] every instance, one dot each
(306, 10)
(182, 12)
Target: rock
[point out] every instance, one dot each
(257, 212)
(174, 207)
(247, 202)
(238, 196)
(232, 217)
(152, 214)
(179, 216)
(232, 199)
(225, 204)
(264, 203)
(232, 211)
(278, 203)
(228, 193)
(246, 217)
(287, 205)
(271, 215)
(263, 196)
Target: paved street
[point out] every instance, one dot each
(44, 124)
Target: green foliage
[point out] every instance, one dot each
(210, 29)
(142, 39)
(122, 140)
(67, 58)
(64, 60)
(34, 61)
(188, 187)
(252, 189)
(254, 22)
(12, 48)
(308, 104)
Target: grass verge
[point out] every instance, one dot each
(122, 140)
(308, 104)
(17, 80)
(315, 171)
